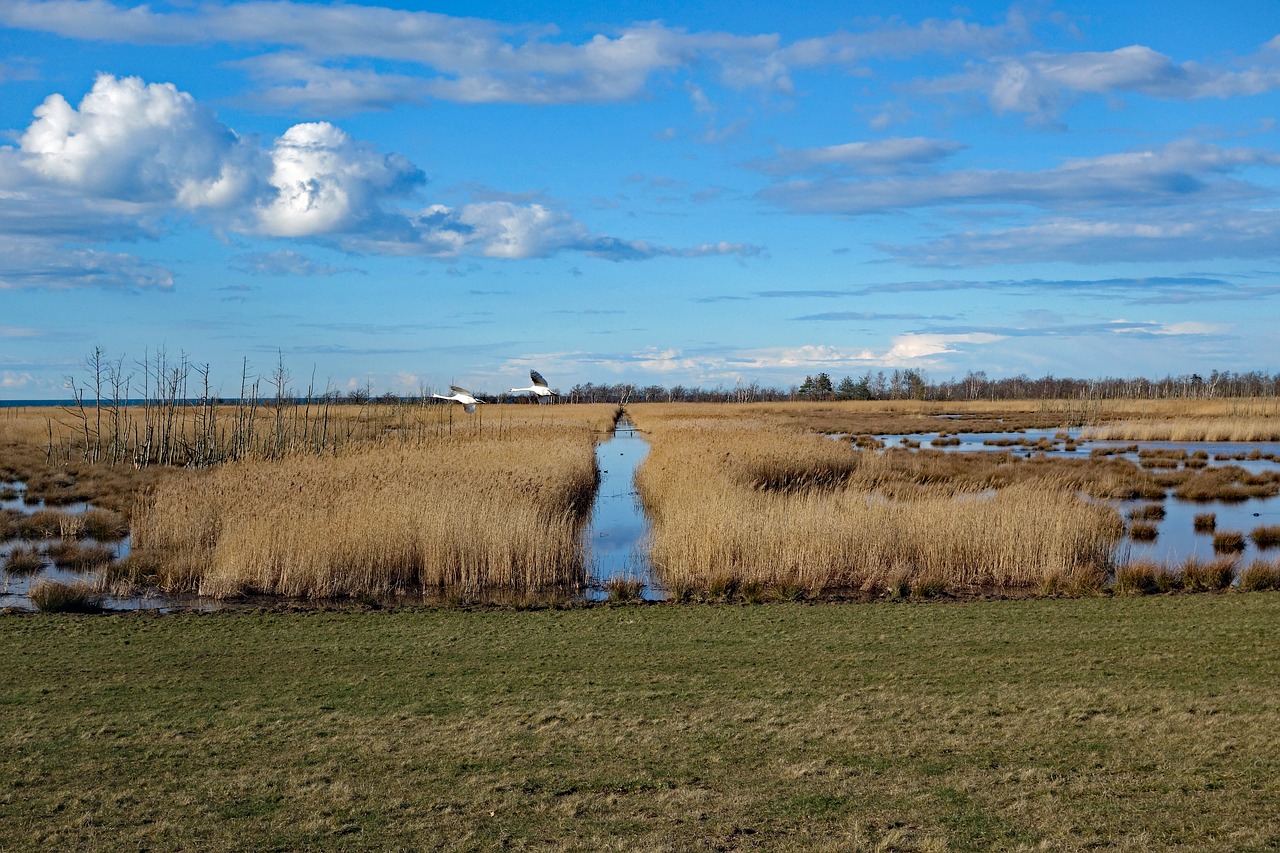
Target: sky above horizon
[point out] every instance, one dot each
(388, 197)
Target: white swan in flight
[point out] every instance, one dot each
(463, 396)
(539, 386)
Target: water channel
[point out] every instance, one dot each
(617, 535)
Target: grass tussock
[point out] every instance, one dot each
(1228, 483)
(468, 513)
(23, 561)
(891, 516)
(1266, 536)
(52, 596)
(1143, 577)
(1228, 542)
(1260, 575)
(623, 590)
(78, 557)
(1144, 531)
(1147, 512)
(1208, 575)
(1205, 522)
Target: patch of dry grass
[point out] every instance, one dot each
(1260, 575)
(717, 522)
(1266, 536)
(53, 596)
(467, 512)
(22, 561)
(1186, 420)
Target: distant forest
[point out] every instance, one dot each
(915, 385)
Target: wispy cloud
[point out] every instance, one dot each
(1176, 173)
(881, 156)
(1187, 236)
(307, 50)
(284, 262)
(1043, 85)
(33, 264)
(841, 316)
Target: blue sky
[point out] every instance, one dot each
(409, 197)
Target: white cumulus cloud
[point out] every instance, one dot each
(326, 182)
(140, 142)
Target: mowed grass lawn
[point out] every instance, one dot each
(1127, 723)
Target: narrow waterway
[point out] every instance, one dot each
(617, 535)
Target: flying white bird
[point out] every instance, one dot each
(539, 386)
(463, 396)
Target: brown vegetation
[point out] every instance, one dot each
(853, 521)
(1143, 531)
(1266, 536)
(472, 511)
(1143, 577)
(1206, 522)
(1228, 483)
(1228, 542)
(22, 561)
(1208, 575)
(1260, 575)
(57, 597)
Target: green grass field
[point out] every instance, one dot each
(1126, 724)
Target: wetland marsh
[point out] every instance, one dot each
(411, 503)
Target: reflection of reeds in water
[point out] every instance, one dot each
(467, 512)
(846, 520)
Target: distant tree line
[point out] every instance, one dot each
(911, 384)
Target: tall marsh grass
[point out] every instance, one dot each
(843, 519)
(461, 513)
(1187, 420)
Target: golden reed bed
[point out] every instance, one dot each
(471, 511)
(750, 501)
